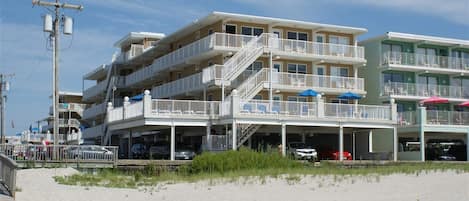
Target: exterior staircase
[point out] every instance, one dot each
(245, 132)
(111, 81)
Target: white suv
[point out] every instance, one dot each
(301, 151)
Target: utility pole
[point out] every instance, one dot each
(54, 33)
(4, 87)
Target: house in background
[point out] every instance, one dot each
(409, 69)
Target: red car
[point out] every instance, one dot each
(327, 153)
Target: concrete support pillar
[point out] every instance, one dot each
(353, 145)
(303, 137)
(208, 137)
(284, 139)
(320, 106)
(234, 134)
(467, 146)
(129, 145)
(341, 143)
(250, 142)
(422, 121)
(370, 141)
(173, 142)
(395, 143)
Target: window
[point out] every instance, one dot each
(342, 40)
(297, 99)
(296, 68)
(339, 71)
(297, 35)
(179, 75)
(231, 29)
(342, 101)
(427, 56)
(255, 66)
(210, 31)
(393, 77)
(250, 31)
(257, 97)
(210, 63)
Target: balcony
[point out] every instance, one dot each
(69, 107)
(314, 110)
(232, 42)
(424, 90)
(425, 62)
(180, 86)
(93, 132)
(434, 117)
(94, 111)
(94, 91)
(249, 109)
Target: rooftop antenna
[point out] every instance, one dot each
(52, 26)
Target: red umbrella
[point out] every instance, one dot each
(434, 100)
(465, 104)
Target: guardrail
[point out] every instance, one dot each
(183, 85)
(94, 90)
(439, 117)
(315, 48)
(94, 111)
(8, 169)
(428, 61)
(64, 153)
(427, 90)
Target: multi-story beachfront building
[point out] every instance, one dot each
(70, 111)
(410, 68)
(228, 80)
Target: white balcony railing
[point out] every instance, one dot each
(313, 110)
(224, 41)
(439, 117)
(134, 110)
(434, 117)
(69, 122)
(94, 90)
(94, 111)
(317, 49)
(318, 81)
(180, 86)
(184, 107)
(426, 61)
(425, 90)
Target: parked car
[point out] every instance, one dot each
(328, 153)
(89, 152)
(302, 151)
(184, 152)
(139, 151)
(160, 150)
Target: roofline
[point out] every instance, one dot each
(222, 15)
(435, 39)
(139, 35)
(70, 93)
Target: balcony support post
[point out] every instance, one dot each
(234, 134)
(422, 121)
(393, 111)
(284, 139)
(395, 143)
(270, 81)
(129, 145)
(341, 142)
(208, 136)
(124, 106)
(173, 142)
(467, 146)
(320, 106)
(146, 104)
(370, 141)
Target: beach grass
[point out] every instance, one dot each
(235, 165)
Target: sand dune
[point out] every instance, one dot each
(38, 185)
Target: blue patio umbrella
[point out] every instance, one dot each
(138, 97)
(350, 96)
(308, 92)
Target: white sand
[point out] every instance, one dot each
(38, 185)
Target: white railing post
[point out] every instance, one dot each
(124, 106)
(393, 110)
(320, 106)
(109, 108)
(234, 103)
(146, 103)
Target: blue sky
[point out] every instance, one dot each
(24, 50)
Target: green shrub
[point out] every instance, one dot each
(244, 159)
